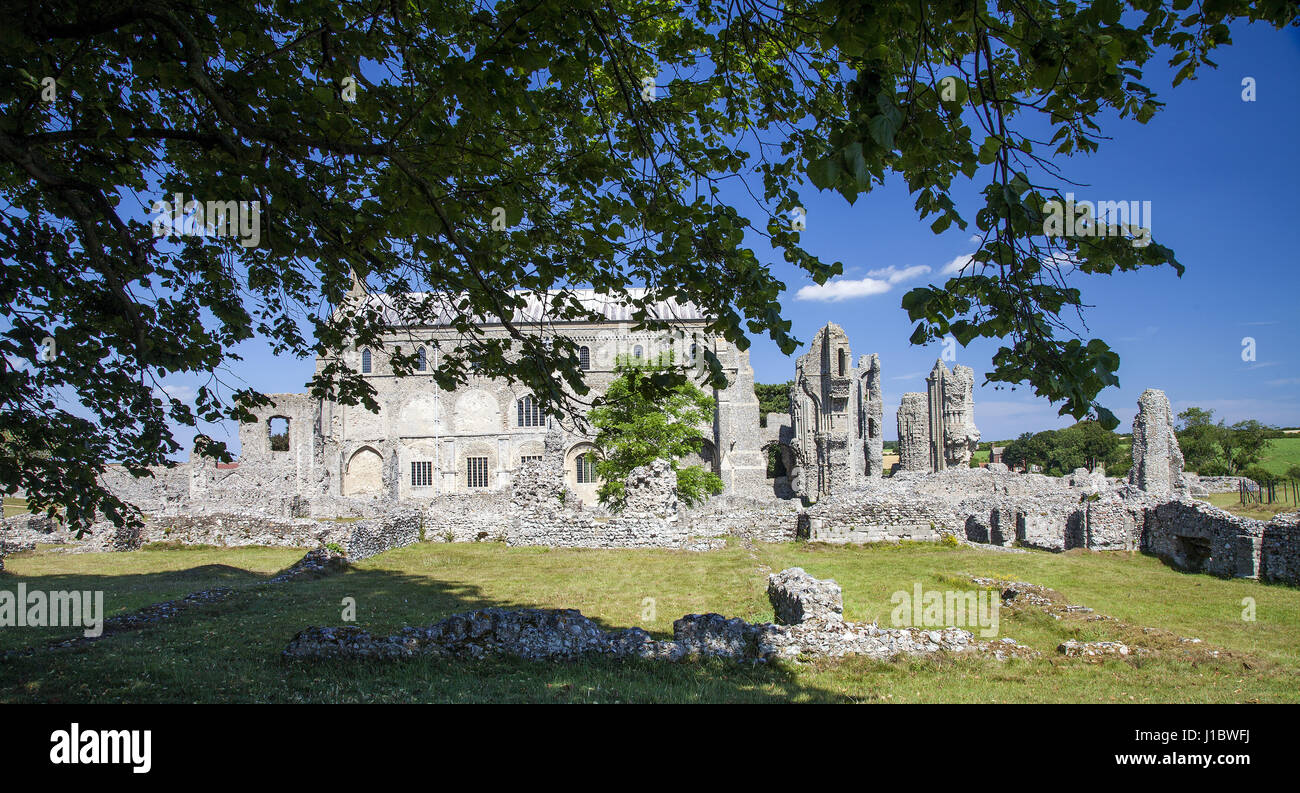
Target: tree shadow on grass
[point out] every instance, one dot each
(231, 651)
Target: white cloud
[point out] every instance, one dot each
(837, 289)
(895, 275)
(955, 266)
(180, 393)
(876, 282)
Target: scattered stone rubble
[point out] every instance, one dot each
(1020, 595)
(316, 564)
(562, 634)
(1093, 651)
(152, 614)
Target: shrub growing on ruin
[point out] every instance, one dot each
(636, 424)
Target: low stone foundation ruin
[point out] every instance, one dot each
(1153, 510)
(818, 630)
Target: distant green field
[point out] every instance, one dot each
(1281, 454)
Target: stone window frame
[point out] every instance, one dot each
(584, 358)
(638, 352)
(524, 458)
(270, 433)
(528, 412)
(421, 360)
(585, 462)
(367, 361)
(422, 473)
(476, 472)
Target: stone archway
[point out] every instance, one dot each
(784, 467)
(706, 457)
(364, 473)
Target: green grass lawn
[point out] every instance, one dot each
(230, 651)
(1232, 503)
(1280, 454)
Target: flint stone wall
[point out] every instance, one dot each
(538, 510)
(796, 596)
(1226, 484)
(360, 539)
(1280, 549)
(565, 634)
(236, 530)
(25, 532)
(1197, 536)
(395, 530)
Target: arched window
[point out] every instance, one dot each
(840, 356)
(365, 360)
(584, 358)
(637, 352)
(421, 360)
(586, 469)
(529, 412)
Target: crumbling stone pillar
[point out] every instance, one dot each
(871, 428)
(936, 430)
(1157, 459)
(913, 433)
(951, 405)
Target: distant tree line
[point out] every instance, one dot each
(1058, 452)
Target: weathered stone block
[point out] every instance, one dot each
(797, 597)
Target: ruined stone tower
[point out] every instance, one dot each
(837, 416)
(936, 430)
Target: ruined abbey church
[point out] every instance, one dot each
(482, 462)
(426, 443)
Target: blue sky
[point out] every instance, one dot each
(1221, 174)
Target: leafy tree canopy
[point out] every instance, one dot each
(1213, 449)
(772, 398)
(637, 424)
(481, 151)
(1087, 444)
